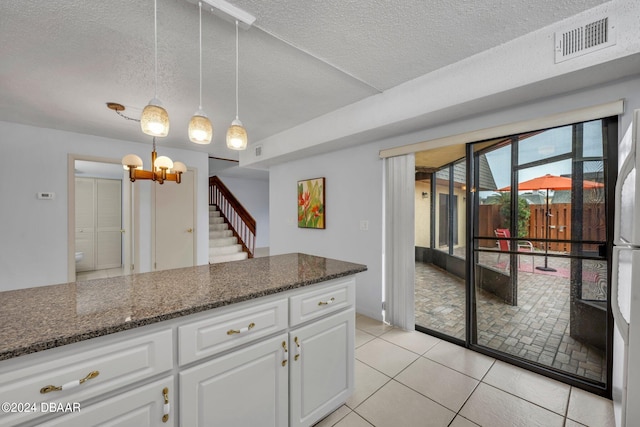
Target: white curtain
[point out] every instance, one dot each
(399, 265)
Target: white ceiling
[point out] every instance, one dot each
(62, 60)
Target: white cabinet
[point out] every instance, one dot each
(281, 360)
(84, 370)
(294, 379)
(146, 406)
(247, 387)
(321, 367)
(230, 328)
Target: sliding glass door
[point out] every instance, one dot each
(540, 261)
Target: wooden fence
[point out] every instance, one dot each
(593, 225)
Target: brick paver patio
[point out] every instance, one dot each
(537, 329)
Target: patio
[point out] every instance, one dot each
(537, 329)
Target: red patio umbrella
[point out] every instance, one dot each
(550, 182)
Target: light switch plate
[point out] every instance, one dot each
(46, 196)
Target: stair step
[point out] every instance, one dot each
(216, 220)
(218, 227)
(224, 250)
(222, 241)
(229, 257)
(218, 234)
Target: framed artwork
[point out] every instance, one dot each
(311, 208)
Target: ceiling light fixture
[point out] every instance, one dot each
(155, 119)
(119, 108)
(200, 128)
(162, 168)
(237, 135)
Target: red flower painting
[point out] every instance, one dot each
(311, 203)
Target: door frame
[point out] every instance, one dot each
(130, 220)
(195, 220)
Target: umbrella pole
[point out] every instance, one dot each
(546, 236)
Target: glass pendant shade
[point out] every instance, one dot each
(155, 119)
(179, 167)
(200, 128)
(163, 162)
(131, 160)
(236, 136)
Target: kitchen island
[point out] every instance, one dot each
(225, 341)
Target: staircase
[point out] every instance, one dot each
(223, 246)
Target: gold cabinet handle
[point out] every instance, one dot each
(241, 330)
(166, 408)
(326, 302)
(189, 230)
(284, 347)
(298, 349)
(70, 384)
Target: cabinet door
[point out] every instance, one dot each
(247, 387)
(140, 407)
(322, 357)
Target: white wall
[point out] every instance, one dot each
(34, 232)
(254, 196)
(354, 186)
(353, 192)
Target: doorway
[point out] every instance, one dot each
(100, 218)
(534, 287)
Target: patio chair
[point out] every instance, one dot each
(505, 246)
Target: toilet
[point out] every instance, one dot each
(79, 256)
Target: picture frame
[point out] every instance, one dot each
(311, 203)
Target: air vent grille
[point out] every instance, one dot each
(258, 151)
(584, 39)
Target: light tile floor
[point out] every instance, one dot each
(410, 379)
(99, 274)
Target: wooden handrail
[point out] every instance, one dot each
(239, 219)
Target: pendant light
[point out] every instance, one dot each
(236, 135)
(155, 119)
(200, 129)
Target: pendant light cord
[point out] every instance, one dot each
(155, 39)
(237, 70)
(200, 105)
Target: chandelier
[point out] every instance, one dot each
(162, 168)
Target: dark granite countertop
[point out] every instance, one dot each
(40, 318)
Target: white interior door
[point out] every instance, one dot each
(85, 223)
(174, 223)
(108, 223)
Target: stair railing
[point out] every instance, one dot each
(239, 219)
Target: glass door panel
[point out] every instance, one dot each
(540, 272)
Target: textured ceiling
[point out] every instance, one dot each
(62, 60)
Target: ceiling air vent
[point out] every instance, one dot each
(585, 39)
(258, 150)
